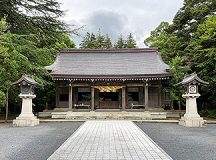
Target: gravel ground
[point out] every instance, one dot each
(33, 143)
(38, 143)
(183, 143)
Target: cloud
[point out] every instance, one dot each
(113, 17)
(109, 22)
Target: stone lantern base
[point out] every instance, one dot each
(192, 122)
(26, 118)
(191, 117)
(25, 122)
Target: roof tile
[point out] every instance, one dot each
(103, 62)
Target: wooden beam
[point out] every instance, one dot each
(92, 98)
(123, 99)
(135, 84)
(70, 97)
(81, 85)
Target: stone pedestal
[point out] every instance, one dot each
(26, 118)
(191, 118)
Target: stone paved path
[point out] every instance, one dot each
(110, 140)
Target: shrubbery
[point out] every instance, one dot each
(208, 113)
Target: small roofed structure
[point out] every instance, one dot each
(26, 83)
(191, 79)
(191, 118)
(26, 78)
(26, 117)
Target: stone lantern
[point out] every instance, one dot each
(191, 118)
(26, 118)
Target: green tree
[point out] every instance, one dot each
(107, 42)
(192, 37)
(164, 41)
(11, 61)
(178, 72)
(22, 54)
(130, 42)
(120, 43)
(187, 20)
(98, 41)
(158, 36)
(33, 16)
(203, 49)
(89, 41)
(85, 42)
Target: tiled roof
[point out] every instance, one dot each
(26, 78)
(191, 78)
(108, 62)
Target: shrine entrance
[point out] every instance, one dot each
(109, 97)
(109, 100)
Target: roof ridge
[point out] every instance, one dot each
(112, 50)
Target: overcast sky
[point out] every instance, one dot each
(115, 17)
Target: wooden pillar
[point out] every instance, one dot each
(92, 98)
(146, 103)
(97, 98)
(75, 95)
(126, 96)
(123, 99)
(57, 93)
(140, 95)
(159, 96)
(70, 97)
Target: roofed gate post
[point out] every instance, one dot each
(191, 118)
(26, 118)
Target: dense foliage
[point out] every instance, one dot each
(96, 41)
(32, 16)
(91, 40)
(30, 36)
(192, 38)
(130, 42)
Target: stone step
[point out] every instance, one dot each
(106, 115)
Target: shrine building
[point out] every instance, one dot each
(110, 79)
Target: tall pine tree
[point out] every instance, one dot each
(96, 41)
(36, 16)
(120, 43)
(130, 42)
(107, 42)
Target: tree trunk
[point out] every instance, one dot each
(179, 106)
(6, 108)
